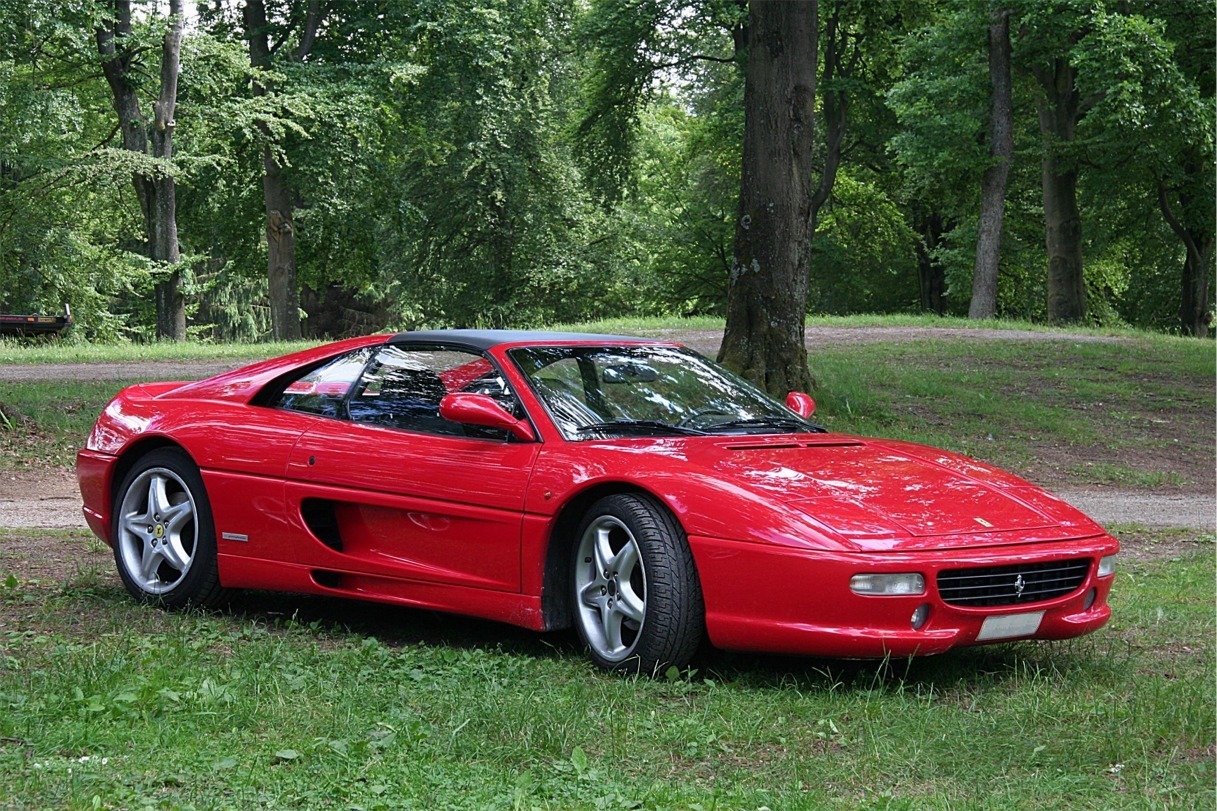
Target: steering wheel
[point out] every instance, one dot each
(690, 420)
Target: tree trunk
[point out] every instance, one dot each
(282, 289)
(1195, 295)
(993, 184)
(767, 288)
(171, 304)
(1058, 109)
(1196, 301)
(157, 195)
(835, 104)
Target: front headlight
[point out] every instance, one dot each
(1107, 565)
(887, 584)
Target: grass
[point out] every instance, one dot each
(284, 702)
(655, 323)
(24, 352)
(291, 702)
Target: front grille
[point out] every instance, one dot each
(1011, 585)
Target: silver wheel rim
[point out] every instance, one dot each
(610, 588)
(157, 531)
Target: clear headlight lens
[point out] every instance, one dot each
(887, 584)
(1107, 566)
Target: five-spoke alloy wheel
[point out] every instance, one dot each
(637, 600)
(164, 537)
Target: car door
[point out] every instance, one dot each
(390, 488)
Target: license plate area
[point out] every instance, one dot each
(1009, 626)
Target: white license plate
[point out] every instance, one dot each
(1009, 626)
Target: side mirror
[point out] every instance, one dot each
(801, 404)
(481, 409)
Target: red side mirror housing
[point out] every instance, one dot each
(480, 409)
(801, 404)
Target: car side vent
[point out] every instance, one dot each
(326, 579)
(319, 517)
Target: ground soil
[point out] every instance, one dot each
(44, 498)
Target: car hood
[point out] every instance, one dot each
(886, 495)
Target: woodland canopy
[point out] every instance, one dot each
(335, 167)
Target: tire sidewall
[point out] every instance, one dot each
(669, 576)
(201, 579)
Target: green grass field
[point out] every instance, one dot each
(281, 701)
(285, 702)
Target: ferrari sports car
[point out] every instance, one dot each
(626, 486)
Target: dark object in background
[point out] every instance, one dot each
(27, 326)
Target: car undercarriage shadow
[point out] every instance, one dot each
(397, 626)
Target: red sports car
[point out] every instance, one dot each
(627, 486)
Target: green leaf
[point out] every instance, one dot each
(579, 760)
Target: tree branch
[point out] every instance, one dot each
(312, 19)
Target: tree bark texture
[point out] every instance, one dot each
(767, 287)
(1058, 107)
(282, 288)
(993, 184)
(157, 194)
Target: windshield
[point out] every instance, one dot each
(593, 392)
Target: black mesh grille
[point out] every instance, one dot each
(1011, 585)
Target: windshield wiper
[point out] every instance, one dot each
(773, 421)
(642, 427)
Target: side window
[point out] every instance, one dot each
(324, 390)
(403, 387)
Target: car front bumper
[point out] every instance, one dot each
(798, 601)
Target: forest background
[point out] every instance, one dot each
(339, 167)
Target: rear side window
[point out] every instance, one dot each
(403, 387)
(324, 390)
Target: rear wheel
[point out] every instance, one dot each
(164, 536)
(637, 601)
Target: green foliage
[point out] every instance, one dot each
(485, 162)
(863, 258)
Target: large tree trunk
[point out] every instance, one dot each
(157, 195)
(993, 184)
(171, 304)
(1058, 108)
(767, 289)
(1195, 295)
(282, 289)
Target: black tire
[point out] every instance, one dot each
(163, 533)
(636, 611)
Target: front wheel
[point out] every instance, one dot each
(164, 536)
(637, 600)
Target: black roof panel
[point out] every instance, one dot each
(483, 339)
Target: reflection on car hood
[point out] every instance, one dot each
(882, 494)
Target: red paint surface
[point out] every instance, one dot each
(777, 523)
